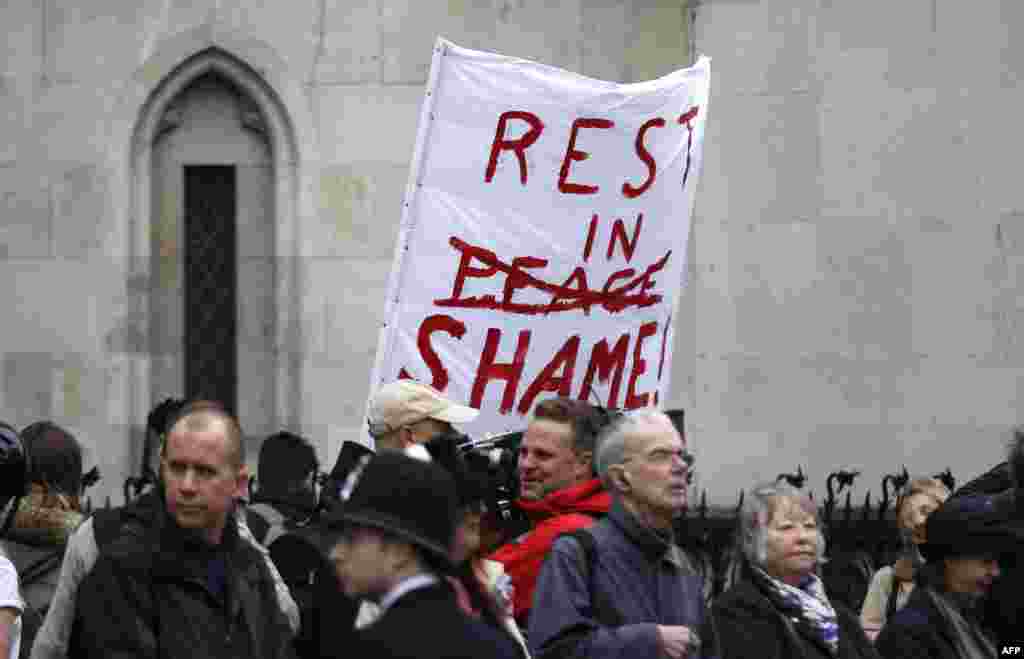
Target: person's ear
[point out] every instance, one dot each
(584, 463)
(620, 477)
(405, 437)
(242, 482)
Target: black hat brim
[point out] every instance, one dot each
(389, 524)
(976, 545)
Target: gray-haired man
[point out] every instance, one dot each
(633, 593)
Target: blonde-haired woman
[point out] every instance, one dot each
(891, 586)
(781, 610)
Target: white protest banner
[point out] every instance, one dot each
(543, 238)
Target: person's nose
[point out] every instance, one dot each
(338, 555)
(188, 482)
(994, 570)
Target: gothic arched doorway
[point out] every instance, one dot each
(212, 312)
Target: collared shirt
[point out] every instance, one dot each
(404, 586)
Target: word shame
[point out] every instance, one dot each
(608, 362)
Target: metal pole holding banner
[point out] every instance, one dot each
(385, 340)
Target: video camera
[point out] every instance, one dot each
(494, 460)
(331, 484)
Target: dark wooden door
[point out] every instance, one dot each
(211, 284)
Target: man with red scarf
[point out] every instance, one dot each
(557, 489)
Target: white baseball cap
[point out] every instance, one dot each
(405, 402)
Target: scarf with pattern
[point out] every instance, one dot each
(810, 604)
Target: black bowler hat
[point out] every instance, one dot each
(971, 526)
(406, 497)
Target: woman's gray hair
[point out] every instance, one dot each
(611, 441)
(758, 508)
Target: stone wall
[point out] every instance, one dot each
(76, 79)
(858, 239)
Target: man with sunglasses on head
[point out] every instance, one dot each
(623, 587)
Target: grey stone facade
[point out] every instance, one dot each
(858, 244)
(315, 103)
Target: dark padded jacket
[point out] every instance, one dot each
(1004, 608)
(749, 625)
(157, 590)
(919, 631)
(427, 623)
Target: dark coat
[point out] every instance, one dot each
(611, 607)
(427, 623)
(917, 631)
(1004, 607)
(155, 592)
(749, 626)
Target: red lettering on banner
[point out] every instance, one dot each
(509, 372)
(579, 277)
(564, 360)
(615, 276)
(606, 366)
(590, 238)
(619, 231)
(603, 364)
(466, 268)
(632, 293)
(646, 282)
(431, 324)
(634, 400)
(572, 153)
(518, 145)
(644, 155)
(515, 279)
(687, 119)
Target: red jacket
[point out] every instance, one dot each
(563, 511)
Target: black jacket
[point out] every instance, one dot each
(918, 631)
(427, 623)
(748, 625)
(1004, 608)
(157, 590)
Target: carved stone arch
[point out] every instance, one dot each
(262, 111)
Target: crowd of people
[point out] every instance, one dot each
(404, 553)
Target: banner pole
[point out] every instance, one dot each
(392, 308)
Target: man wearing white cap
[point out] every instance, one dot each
(404, 415)
(406, 412)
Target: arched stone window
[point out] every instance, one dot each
(214, 162)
